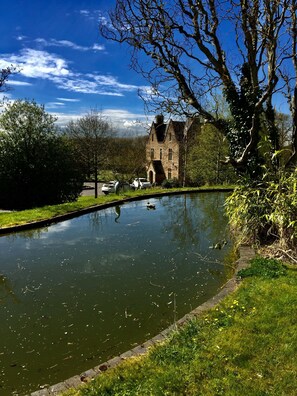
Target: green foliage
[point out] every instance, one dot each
(264, 267)
(170, 183)
(37, 166)
(205, 165)
(266, 210)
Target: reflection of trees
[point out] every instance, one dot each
(99, 218)
(212, 207)
(179, 219)
(194, 215)
(28, 234)
(6, 290)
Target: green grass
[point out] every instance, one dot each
(247, 345)
(8, 219)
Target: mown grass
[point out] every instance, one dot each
(8, 219)
(247, 345)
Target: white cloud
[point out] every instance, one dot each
(20, 38)
(69, 100)
(68, 44)
(98, 47)
(83, 85)
(90, 15)
(37, 64)
(64, 118)
(19, 83)
(123, 121)
(110, 81)
(54, 105)
(42, 64)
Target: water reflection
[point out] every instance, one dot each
(92, 287)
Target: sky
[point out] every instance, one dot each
(67, 66)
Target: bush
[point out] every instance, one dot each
(264, 267)
(266, 210)
(37, 166)
(170, 183)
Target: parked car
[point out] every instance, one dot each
(109, 187)
(141, 183)
(115, 186)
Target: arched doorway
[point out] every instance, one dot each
(151, 177)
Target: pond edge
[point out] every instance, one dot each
(90, 209)
(246, 253)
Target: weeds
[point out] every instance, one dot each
(264, 267)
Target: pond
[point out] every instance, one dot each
(81, 291)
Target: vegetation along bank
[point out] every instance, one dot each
(246, 344)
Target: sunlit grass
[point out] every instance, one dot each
(247, 345)
(8, 219)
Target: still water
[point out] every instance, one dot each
(81, 291)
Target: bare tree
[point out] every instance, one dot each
(245, 49)
(4, 75)
(91, 135)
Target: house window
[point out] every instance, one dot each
(170, 137)
(152, 153)
(169, 174)
(170, 154)
(161, 153)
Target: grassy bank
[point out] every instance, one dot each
(8, 219)
(247, 345)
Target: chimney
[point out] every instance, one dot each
(159, 119)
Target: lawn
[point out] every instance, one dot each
(247, 345)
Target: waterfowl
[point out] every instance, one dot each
(219, 245)
(150, 206)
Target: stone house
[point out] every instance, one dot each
(167, 148)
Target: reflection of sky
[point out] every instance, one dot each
(59, 227)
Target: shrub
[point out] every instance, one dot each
(264, 267)
(266, 210)
(170, 183)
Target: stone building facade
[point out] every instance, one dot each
(167, 148)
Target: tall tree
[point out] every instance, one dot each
(205, 158)
(37, 167)
(245, 49)
(90, 134)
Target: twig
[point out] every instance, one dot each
(287, 254)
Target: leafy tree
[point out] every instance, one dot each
(246, 49)
(90, 135)
(37, 166)
(205, 158)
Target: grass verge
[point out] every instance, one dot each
(9, 219)
(247, 345)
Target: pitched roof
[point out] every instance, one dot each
(178, 127)
(160, 131)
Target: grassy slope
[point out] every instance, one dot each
(245, 346)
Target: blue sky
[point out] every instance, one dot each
(66, 65)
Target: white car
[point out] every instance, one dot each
(141, 183)
(109, 187)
